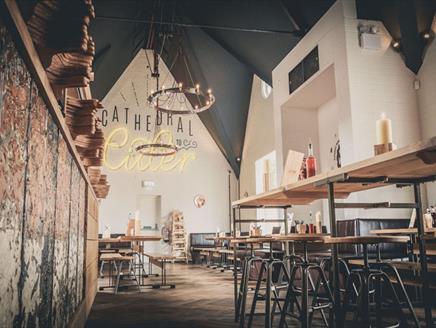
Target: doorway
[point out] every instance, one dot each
(149, 208)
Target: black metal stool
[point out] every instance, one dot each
(305, 311)
(271, 288)
(243, 287)
(367, 278)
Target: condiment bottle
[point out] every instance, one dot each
(310, 162)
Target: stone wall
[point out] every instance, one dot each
(42, 206)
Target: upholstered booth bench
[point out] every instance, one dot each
(362, 227)
(199, 245)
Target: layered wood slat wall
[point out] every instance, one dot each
(91, 250)
(47, 236)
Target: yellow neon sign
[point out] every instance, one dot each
(117, 145)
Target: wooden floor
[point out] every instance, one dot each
(202, 298)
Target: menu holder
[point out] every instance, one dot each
(292, 169)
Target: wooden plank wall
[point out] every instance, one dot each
(45, 225)
(91, 261)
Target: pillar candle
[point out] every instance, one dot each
(384, 130)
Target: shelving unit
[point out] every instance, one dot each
(178, 240)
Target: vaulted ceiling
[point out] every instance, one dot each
(225, 42)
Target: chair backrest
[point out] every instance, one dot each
(199, 239)
(277, 246)
(276, 230)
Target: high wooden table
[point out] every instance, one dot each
(135, 239)
(403, 231)
(412, 166)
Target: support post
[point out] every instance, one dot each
(235, 266)
(335, 260)
(286, 230)
(422, 255)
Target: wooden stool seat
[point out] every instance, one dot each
(109, 256)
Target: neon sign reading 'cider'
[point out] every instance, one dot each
(119, 153)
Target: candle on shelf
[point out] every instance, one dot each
(266, 175)
(384, 130)
(318, 222)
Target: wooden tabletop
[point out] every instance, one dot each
(401, 231)
(281, 238)
(366, 240)
(417, 160)
(123, 239)
(141, 238)
(252, 240)
(301, 237)
(159, 256)
(227, 238)
(110, 240)
(110, 256)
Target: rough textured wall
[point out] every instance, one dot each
(42, 206)
(14, 104)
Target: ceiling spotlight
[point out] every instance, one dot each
(238, 159)
(396, 45)
(428, 35)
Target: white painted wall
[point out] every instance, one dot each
(259, 139)
(427, 102)
(206, 175)
(367, 84)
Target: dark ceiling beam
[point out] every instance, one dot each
(412, 44)
(203, 26)
(289, 15)
(294, 10)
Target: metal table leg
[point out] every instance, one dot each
(335, 259)
(422, 256)
(235, 269)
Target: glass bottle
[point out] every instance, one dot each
(310, 162)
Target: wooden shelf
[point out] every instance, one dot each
(413, 162)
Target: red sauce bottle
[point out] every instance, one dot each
(310, 162)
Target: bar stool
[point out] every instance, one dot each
(365, 278)
(271, 287)
(306, 310)
(248, 263)
(272, 290)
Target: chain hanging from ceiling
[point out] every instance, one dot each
(157, 147)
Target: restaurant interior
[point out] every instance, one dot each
(216, 163)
